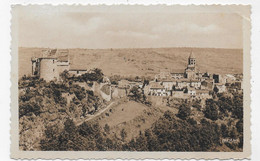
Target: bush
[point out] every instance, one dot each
(94, 75)
(184, 112)
(192, 121)
(239, 126)
(123, 134)
(211, 111)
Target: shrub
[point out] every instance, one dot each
(184, 112)
(211, 112)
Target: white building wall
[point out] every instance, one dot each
(48, 69)
(77, 72)
(168, 85)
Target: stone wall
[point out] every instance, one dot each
(62, 67)
(48, 69)
(104, 95)
(77, 72)
(119, 92)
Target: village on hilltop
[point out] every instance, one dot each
(187, 83)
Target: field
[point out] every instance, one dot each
(131, 116)
(144, 62)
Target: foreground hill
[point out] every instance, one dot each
(130, 116)
(64, 116)
(145, 61)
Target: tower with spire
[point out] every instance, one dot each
(192, 60)
(190, 71)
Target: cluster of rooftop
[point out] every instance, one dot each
(189, 83)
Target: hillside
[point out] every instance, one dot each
(61, 116)
(131, 116)
(145, 61)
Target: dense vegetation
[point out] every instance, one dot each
(44, 104)
(92, 75)
(116, 78)
(167, 134)
(49, 113)
(137, 95)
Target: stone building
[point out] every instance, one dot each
(156, 89)
(63, 63)
(77, 71)
(168, 84)
(48, 65)
(177, 74)
(190, 71)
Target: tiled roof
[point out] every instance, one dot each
(183, 80)
(191, 88)
(77, 69)
(63, 58)
(202, 91)
(168, 80)
(194, 80)
(155, 85)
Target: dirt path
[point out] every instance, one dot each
(97, 114)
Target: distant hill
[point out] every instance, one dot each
(144, 61)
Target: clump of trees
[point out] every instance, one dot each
(95, 74)
(172, 134)
(167, 134)
(223, 106)
(184, 111)
(114, 79)
(211, 111)
(137, 95)
(44, 103)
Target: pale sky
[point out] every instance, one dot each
(130, 27)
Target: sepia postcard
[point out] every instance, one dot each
(130, 82)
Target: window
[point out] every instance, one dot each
(77, 72)
(53, 61)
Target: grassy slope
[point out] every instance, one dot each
(145, 61)
(131, 116)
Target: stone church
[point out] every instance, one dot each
(191, 70)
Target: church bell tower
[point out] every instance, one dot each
(190, 71)
(191, 60)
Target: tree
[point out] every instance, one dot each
(136, 94)
(184, 112)
(64, 75)
(192, 121)
(123, 134)
(107, 128)
(211, 111)
(239, 126)
(146, 82)
(95, 74)
(215, 89)
(224, 130)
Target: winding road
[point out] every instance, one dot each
(97, 114)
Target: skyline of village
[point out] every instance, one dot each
(189, 82)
